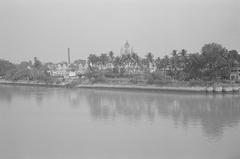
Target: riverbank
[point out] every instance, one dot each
(30, 83)
(155, 88)
(199, 89)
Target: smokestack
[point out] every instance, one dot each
(69, 56)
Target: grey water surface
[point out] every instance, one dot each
(54, 123)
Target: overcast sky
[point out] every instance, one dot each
(46, 28)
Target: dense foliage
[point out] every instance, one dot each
(212, 63)
(24, 71)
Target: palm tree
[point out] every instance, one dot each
(149, 60)
(183, 52)
(174, 61)
(159, 63)
(150, 57)
(165, 62)
(93, 60)
(183, 58)
(111, 56)
(136, 61)
(103, 59)
(194, 66)
(117, 63)
(136, 58)
(174, 53)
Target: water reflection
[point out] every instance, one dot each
(212, 113)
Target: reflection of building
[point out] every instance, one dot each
(235, 72)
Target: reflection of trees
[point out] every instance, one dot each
(112, 104)
(213, 113)
(7, 93)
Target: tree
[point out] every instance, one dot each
(117, 64)
(103, 59)
(150, 57)
(193, 67)
(165, 63)
(174, 53)
(232, 57)
(214, 60)
(159, 63)
(5, 67)
(37, 64)
(183, 52)
(183, 58)
(174, 61)
(111, 56)
(136, 58)
(92, 61)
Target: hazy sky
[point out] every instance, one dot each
(46, 28)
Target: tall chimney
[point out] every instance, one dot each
(69, 56)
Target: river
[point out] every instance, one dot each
(55, 123)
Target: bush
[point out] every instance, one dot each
(182, 76)
(21, 74)
(112, 75)
(158, 75)
(134, 80)
(96, 77)
(157, 78)
(197, 83)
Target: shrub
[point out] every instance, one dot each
(134, 80)
(112, 75)
(197, 83)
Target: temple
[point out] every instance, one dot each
(126, 49)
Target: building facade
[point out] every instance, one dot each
(235, 73)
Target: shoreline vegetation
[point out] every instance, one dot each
(220, 88)
(214, 70)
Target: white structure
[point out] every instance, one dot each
(152, 67)
(126, 49)
(82, 67)
(235, 74)
(72, 74)
(58, 69)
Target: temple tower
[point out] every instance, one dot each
(126, 49)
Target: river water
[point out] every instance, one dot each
(54, 123)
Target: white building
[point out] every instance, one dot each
(235, 72)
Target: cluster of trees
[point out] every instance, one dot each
(214, 61)
(118, 62)
(26, 70)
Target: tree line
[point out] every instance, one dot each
(213, 62)
(26, 70)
